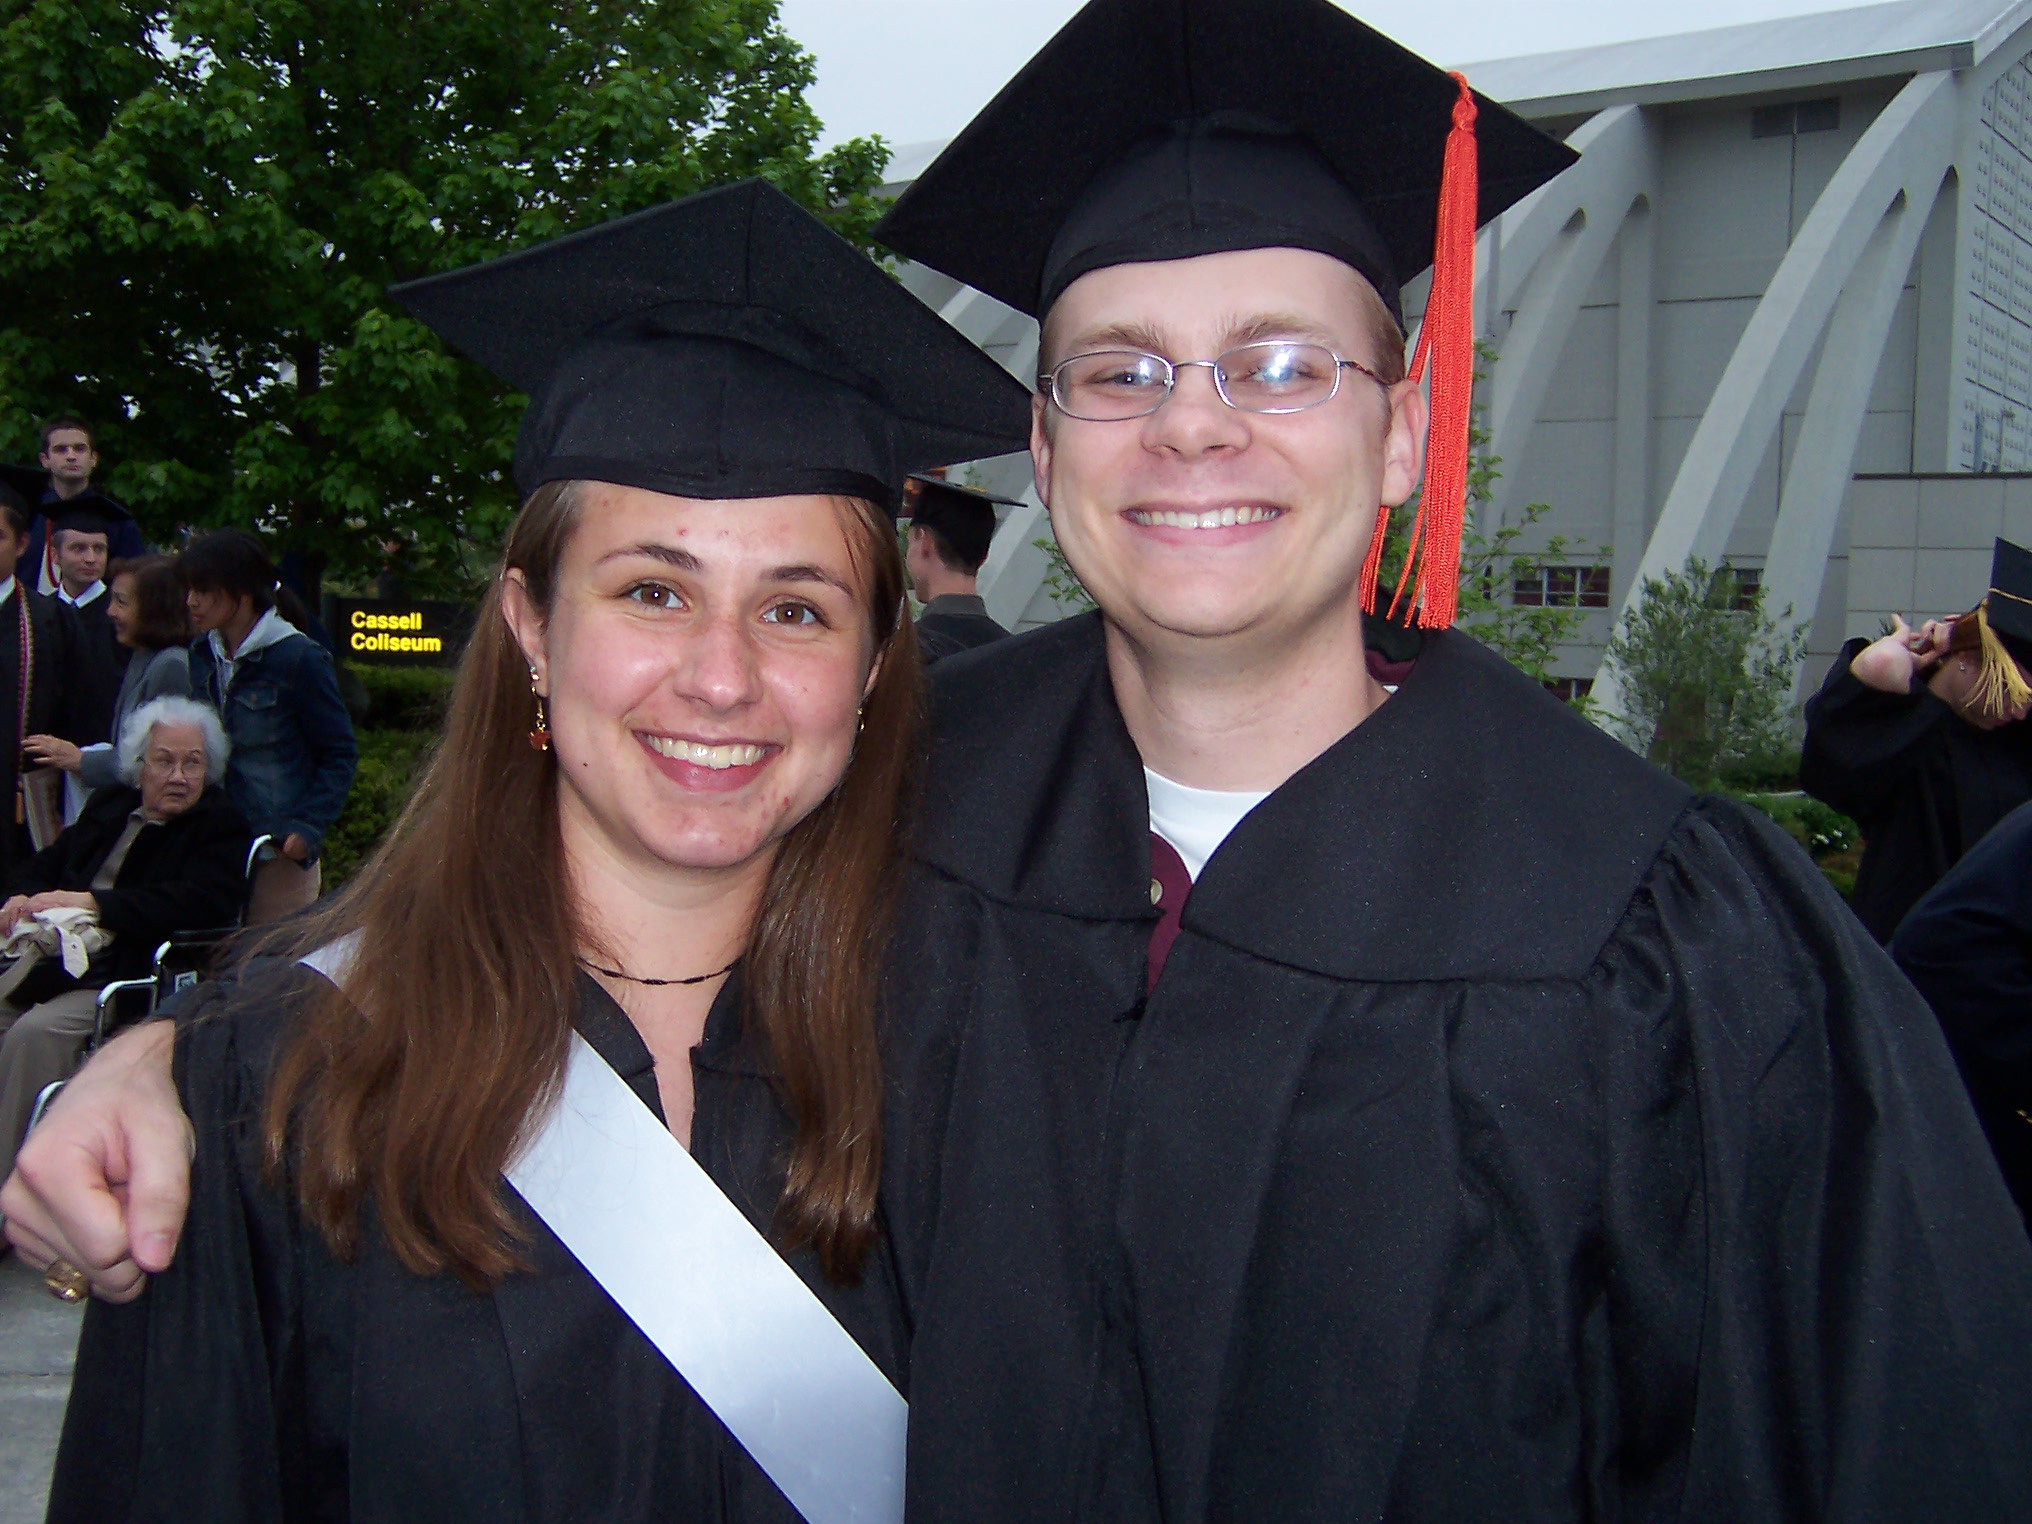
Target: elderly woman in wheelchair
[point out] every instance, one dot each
(163, 852)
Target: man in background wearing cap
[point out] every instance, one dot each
(1920, 736)
(80, 534)
(69, 459)
(1331, 1088)
(951, 528)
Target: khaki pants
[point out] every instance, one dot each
(282, 887)
(41, 1046)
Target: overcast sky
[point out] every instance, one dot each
(915, 70)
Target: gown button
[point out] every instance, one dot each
(1156, 892)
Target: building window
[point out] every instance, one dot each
(1749, 582)
(1569, 688)
(1795, 117)
(1561, 587)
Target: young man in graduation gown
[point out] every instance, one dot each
(82, 530)
(951, 528)
(1442, 1115)
(1330, 1088)
(1921, 736)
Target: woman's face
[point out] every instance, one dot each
(704, 664)
(1959, 682)
(120, 609)
(210, 609)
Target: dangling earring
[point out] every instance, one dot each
(860, 717)
(540, 736)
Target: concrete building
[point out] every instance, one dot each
(1779, 313)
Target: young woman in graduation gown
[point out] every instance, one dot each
(1920, 735)
(664, 816)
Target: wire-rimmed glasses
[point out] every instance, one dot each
(1277, 376)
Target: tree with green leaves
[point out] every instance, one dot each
(202, 203)
(1705, 673)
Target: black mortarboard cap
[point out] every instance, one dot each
(90, 512)
(2009, 604)
(964, 515)
(1165, 129)
(727, 345)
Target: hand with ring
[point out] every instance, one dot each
(66, 1282)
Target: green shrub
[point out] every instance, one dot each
(1706, 673)
(403, 698)
(1824, 832)
(390, 763)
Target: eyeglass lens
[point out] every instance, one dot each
(1257, 378)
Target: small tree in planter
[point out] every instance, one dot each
(1705, 672)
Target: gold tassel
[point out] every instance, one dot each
(2000, 687)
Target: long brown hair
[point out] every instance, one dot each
(414, 1086)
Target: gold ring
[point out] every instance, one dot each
(66, 1282)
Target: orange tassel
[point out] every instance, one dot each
(1447, 338)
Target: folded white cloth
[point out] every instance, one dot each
(74, 933)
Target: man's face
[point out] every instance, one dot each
(172, 770)
(80, 559)
(1308, 483)
(68, 456)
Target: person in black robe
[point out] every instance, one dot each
(1509, 1133)
(1968, 947)
(610, 826)
(48, 685)
(951, 529)
(1448, 1117)
(81, 529)
(335, 1390)
(1921, 737)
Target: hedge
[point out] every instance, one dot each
(403, 710)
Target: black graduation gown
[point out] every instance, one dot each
(1510, 1136)
(1967, 946)
(102, 662)
(260, 1379)
(59, 699)
(1923, 783)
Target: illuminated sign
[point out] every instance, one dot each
(401, 631)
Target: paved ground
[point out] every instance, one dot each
(38, 1336)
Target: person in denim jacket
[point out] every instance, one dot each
(275, 688)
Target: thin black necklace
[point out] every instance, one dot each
(615, 973)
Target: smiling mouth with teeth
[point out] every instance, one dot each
(1212, 518)
(698, 754)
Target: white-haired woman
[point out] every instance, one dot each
(158, 852)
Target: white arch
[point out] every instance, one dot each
(1546, 261)
(1825, 451)
(1899, 161)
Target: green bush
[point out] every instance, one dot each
(390, 763)
(403, 698)
(1824, 832)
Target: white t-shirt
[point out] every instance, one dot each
(1196, 820)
